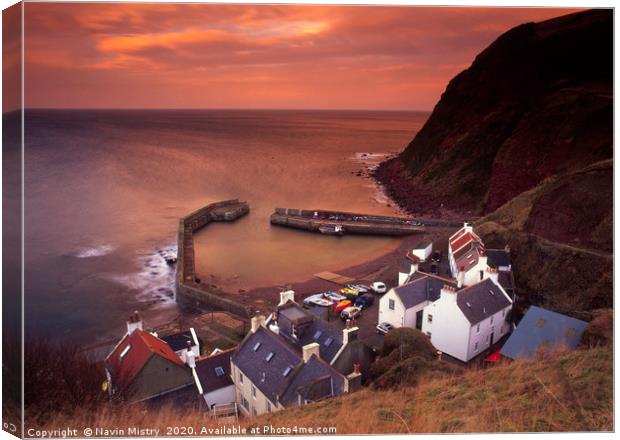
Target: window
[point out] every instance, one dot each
(219, 371)
(491, 319)
(478, 328)
(257, 346)
(392, 304)
(481, 275)
(429, 318)
(240, 377)
(245, 403)
(268, 406)
(503, 313)
(486, 339)
(125, 351)
(287, 371)
(328, 342)
(270, 356)
(317, 335)
(254, 391)
(476, 346)
(254, 412)
(428, 334)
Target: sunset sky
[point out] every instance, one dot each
(251, 56)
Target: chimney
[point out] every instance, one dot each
(309, 350)
(191, 359)
(354, 380)
(134, 322)
(349, 334)
(492, 273)
(439, 354)
(448, 293)
(286, 296)
(414, 267)
(257, 321)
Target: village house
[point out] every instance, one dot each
(293, 359)
(467, 256)
(541, 331)
(142, 366)
(402, 306)
(464, 322)
(213, 379)
(423, 250)
(182, 343)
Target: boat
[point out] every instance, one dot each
(331, 229)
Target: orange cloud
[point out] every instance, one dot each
(268, 56)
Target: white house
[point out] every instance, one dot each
(467, 257)
(184, 342)
(213, 379)
(423, 250)
(402, 306)
(463, 323)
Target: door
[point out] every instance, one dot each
(418, 319)
(492, 335)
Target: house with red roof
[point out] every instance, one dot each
(142, 366)
(467, 256)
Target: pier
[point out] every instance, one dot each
(189, 288)
(338, 223)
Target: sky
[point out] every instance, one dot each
(98, 55)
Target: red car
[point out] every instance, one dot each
(339, 307)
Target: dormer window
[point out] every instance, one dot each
(317, 335)
(328, 342)
(219, 371)
(257, 346)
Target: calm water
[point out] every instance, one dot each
(105, 189)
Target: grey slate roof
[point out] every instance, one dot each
(205, 369)
(481, 300)
(268, 376)
(314, 380)
(542, 329)
(423, 288)
(309, 328)
(178, 341)
(498, 257)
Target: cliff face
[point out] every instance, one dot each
(536, 102)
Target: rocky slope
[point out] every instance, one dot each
(535, 103)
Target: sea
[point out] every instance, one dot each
(104, 190)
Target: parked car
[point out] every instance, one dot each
(351, 312)
(365, 301)
(385, 328)
(436, 256)
(339, 307)
(378, 287)
(359, 287)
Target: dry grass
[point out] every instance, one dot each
(569, 392)
(565, 392)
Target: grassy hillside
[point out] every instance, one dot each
(560, 234)
(565, 392)
(568, 392)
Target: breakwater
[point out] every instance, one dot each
(189, 288)
(348, 223)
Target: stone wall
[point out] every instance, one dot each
(189, 289)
